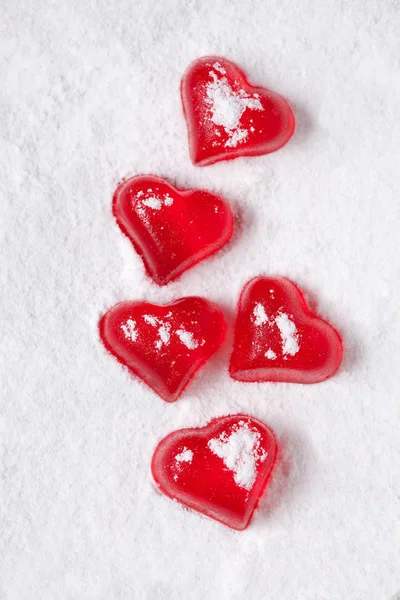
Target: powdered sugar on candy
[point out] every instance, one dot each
(287, 329)
(241, 452)
(227, 106)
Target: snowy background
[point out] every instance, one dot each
(89, 94)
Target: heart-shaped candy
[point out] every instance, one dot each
(277, 338)
(164, 345)
(171, 229)
(219, 470)
(227, 117)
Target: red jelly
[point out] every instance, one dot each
(277, 338)
(219, 470)
(171, 229)
(227, 117)
(164, 345)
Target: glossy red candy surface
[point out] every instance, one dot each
(219, 470)
(164, 345)
(227, 117)
(171, 229)
(277, 338)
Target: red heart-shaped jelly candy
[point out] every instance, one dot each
(277, 338)
(227, 117)
(171, 229)
(219, 470)
(164, 345)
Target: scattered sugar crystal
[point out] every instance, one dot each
(237, 136)
(164, 329)
(153, 202)
(187, 339)
(288, 331)
(219, 68)
(164, 333)
(240, 452)
(129, 329)
(185, 456)
(260, 314)
(228, 106)
(150, 320)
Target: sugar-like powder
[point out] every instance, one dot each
(164, 330)
(164, 335)
(154, 202)
(240, 452)
(287, 330)
(289, 335)
(187, 339)
(237, 136)
(185, 456)
(218, 67)
(260, 314)
(150, 320)
(129, 329)
(227, 106)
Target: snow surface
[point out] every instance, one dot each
(90, 94)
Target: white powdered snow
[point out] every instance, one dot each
(237, 136)
(218, 67)
(129, 329)
(185, 456)
(152, 202)
(164, 330)
(288, 331)
(240, 452)
(260, 314)
(164, 335)
(150, 320)
(187, 339)
(228, 106)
